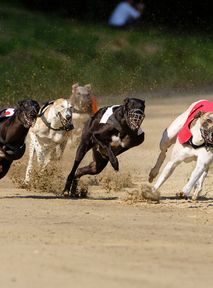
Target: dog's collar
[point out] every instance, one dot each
(62, 128)
(205, 144)
(43, 118)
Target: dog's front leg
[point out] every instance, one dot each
(4, 167)
(167, 171)
(105, 144)
(30, 163)
(199, 185)
(112, 158)
(201, 166)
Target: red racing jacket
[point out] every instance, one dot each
(185, 134)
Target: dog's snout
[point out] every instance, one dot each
(68, 117)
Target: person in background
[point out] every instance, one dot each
(125, 14)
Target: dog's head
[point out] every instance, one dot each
(134, 112)
(27, 111)
(206, 121)
(63, 110)
(81, 98)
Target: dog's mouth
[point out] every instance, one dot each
(29, 119)
(66, 122)
(135, 118)
(85, 106)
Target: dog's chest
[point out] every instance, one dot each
(53, 136)
(117, 141)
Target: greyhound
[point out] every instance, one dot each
(14, 126)
(110, 132)
(192, 134)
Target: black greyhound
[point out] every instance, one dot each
(13, 131)
(110, 132)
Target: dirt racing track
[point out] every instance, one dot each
(111, 239)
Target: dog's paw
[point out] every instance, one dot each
(70, 189)
(149, 194)
(152, 176)
(115, 164)
(65, 193)
(150, 179)
(181, 195)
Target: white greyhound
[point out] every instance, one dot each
(50, 134)
(52, 131)
(192, 133)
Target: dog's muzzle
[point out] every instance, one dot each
(66, 122)
(207, 135)
(135, 118)
(29, 118)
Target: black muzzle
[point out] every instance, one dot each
(66, 122)
(135, 118)
(207, 135)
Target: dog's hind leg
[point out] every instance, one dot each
(168, 138)
(165, 143)
(83, 148)
(178, 155)
(95, 167)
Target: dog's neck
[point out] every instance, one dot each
(197, 138)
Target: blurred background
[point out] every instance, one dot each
(46, 46)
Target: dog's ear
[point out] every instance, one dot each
(25, 104)
(199, 114)
(126, 101)
(74, 87)
(21, 103)
(36, 106)
(31, 105)
(88, 87)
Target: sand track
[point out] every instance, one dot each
(105, 241)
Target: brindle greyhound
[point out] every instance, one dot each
(110, 132)
(13, 131)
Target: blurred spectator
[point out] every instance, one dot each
(125, 14)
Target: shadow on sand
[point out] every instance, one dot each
(53, 197)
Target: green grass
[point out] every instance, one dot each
(41, 57)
